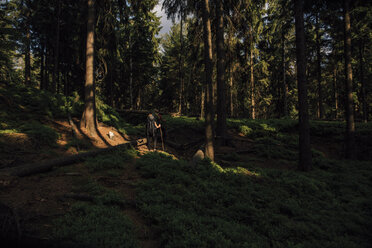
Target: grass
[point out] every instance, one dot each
(40, 134)
(209, 206)
(113, 160)
(89, 225)
(28, 103)
(99, 223)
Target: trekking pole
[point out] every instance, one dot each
(161, 136)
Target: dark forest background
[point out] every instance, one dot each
(243, 59)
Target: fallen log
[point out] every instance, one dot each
(44, 166)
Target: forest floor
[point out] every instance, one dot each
(38, 200)
(253, 195)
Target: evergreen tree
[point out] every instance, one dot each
(304, 128)
(349, 105)
(207, 36)
(88, 120)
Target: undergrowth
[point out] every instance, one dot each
(114, 160)
(95, 226)
(19, 104)
(208, 206)
(98, 223)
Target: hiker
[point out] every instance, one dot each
(152, 130)
(160, 120)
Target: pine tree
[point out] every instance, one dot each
(350, 125)
(304, 128)
(207, 36)
(88, 120)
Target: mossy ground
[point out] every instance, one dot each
(257, 199)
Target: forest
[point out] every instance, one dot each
(260, 112)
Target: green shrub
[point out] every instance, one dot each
(245, 130)
(208, 206)
(40, 134)
(95, 226)
(114, 160)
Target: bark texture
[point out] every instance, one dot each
(304, 130)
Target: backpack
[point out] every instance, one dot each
(150, 124)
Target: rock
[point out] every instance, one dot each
(198, 156)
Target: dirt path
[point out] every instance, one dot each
(144, 232)
(38, 199)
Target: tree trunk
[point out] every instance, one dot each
(202, 103)
(55, 77)
(231, 76)
(304, 129)
(209, 150)
(335, 94)
(363, 84)
(42, 66)
(349, 104)
(112, 69)
(88, 119)
(221, 88)
(28, 50)
(138, 100)
(130, 74)
(319, 69)
(284, 83)
(66, 84)
(180, 69)
(46, 68)
(231, 86)
(253, 104)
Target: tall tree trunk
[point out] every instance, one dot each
(138, 100)
(112, 69)
(363, 84)
(46, 68)
(180, 69)
(111, 81)
(319, 69)
(42, 66)
(349, 104)
(88, 120)
(28, 46)
(202, 103)
(304, 129)
(284, 83)
(130, 73)
(221, 84)
(253, 104)
(55, 76)
(66, 84)
(209, 149)
(335, 94)
(231, 75)
(231, 89)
